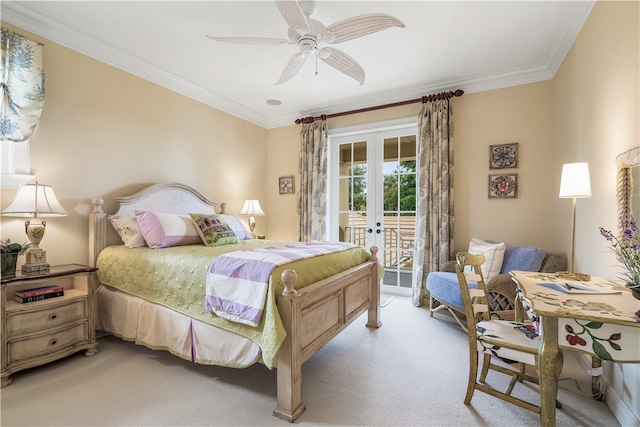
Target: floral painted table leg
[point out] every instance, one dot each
(547, 368)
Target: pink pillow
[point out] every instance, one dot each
(161, 230)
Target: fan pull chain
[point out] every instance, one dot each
(316, 49)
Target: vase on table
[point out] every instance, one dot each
(635, 291)
(9, 262)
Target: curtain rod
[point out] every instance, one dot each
(428, 98)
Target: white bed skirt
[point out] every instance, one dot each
(159, 328)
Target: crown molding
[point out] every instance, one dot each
(30, 20)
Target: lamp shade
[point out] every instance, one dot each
(35, 200)
(575, 181)
(251, 207)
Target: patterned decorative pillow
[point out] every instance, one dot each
(161, 230)
(493, 253)
(213, 229)
(237, 226)
(128, 230)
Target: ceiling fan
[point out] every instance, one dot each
(309, 34)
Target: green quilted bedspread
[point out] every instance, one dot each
(176, 277)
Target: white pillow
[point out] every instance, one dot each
(237, 226)
(128, 230)
(493, 253)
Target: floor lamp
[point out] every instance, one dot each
(576, 184)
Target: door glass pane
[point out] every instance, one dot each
(376, 199)
(352, 187)
(399, 204)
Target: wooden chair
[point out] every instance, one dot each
(513, 341)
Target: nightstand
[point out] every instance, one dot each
(39, 332)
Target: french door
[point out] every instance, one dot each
(372, 181)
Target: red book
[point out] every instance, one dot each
(25, 293)
(39, 297)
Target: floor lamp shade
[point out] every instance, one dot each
(575, 183)
(35, 201)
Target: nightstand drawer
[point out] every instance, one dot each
(39, 332)
(49, 343)
(51, 317)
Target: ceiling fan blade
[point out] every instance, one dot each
(293, 15)
(359, 26)
(293, 66)
(342, 62)
(250, 40)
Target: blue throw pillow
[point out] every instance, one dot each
(522, 258)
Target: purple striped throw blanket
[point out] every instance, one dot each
(237, 282)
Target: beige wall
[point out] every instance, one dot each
(520, 114)
(588, 112)
(104, 132)
(597, 115)
(282, 158)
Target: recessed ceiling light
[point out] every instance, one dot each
(274, 102)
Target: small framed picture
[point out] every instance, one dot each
(503, 186)
(503, 156)
(286, 184)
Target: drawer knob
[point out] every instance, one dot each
(53, 317)
(53, 342)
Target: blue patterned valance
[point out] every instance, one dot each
(21, 87)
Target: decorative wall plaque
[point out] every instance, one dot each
(503, 156)
(503, 186)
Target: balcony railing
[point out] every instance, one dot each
(397, 251)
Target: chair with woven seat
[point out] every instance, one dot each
(443, 285)
(512, 341)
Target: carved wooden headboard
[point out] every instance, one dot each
(171, 197)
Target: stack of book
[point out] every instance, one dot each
(37, 294)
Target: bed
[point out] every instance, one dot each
(306, 305)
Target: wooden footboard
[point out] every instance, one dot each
(312, 316)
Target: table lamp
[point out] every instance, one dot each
(252, 207)
(575, 183)
(35, 201)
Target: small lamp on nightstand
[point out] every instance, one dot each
(35, 201)
(252, 207)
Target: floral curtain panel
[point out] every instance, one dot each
(312, 197)
(22, 86)
(434, 218)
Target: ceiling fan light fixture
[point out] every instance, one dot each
(307, 45)
(307, 33)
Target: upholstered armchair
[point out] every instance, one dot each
(444, 292)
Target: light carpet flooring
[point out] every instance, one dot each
(410, 372)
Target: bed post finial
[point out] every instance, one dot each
(223, 207)
(97, 204)
(97, 230)
(289, 278)
(374, 253)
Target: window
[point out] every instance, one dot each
(15, 165)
